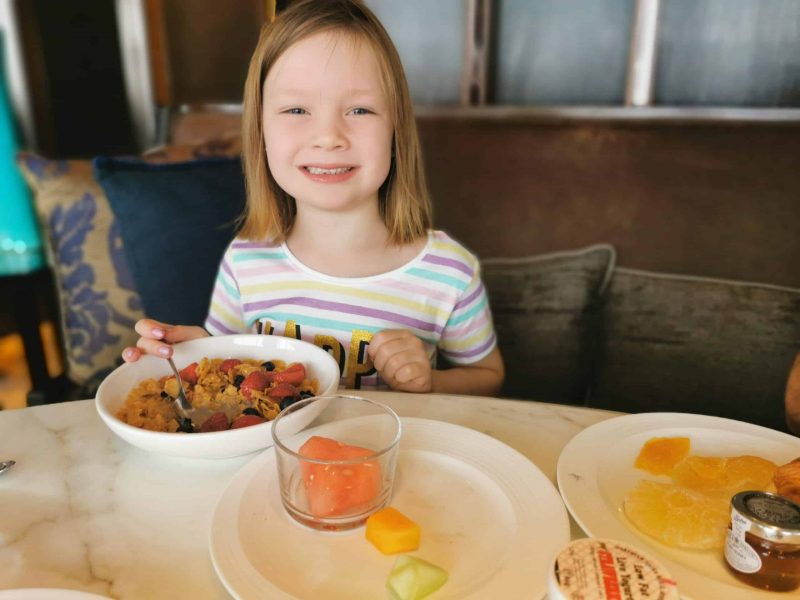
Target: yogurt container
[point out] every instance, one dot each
(595, 569)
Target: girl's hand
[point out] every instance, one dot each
(157, 338)
(400, 358)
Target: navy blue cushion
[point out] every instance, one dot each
(176, 221)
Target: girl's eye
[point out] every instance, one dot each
(361, 111)
(296, 111)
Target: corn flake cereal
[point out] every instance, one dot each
(230, 386)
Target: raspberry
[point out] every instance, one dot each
(282, 390)
(216, 422)
(228, 364)
(246, 421)
(257, 380)
(294, 374)
(189, 374)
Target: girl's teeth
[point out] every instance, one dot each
(318, 171)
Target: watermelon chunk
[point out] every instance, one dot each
(334, 490)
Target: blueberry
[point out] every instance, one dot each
(268, 365)
(304, 394)
(237, 381)
(185, 425)
(288, 401)
(251, 411)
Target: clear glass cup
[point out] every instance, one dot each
(336, 458)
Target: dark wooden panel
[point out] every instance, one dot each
(209, 44)
(699, 199)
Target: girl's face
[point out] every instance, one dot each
(327, 131)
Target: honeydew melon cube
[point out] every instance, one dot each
(391, 531)
(413, 578)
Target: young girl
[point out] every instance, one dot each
(335, 247)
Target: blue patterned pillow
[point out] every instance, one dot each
(98, 300)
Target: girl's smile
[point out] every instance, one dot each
(328, 173)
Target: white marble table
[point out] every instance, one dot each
(84, 510)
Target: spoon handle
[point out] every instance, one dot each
(5, 465)
(184, 402)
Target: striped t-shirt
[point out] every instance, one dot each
(438, 296)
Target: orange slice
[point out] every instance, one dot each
(677, 516)
(729, 475)
(660, 455)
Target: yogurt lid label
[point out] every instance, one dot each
(607, 570)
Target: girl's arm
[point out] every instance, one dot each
(401, 359)
(792, 399)
(482, 378)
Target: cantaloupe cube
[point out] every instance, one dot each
(392, 532)
(413, 578)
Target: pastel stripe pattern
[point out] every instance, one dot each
(438, 296)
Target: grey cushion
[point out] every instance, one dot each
(688, 344)
(545, 313)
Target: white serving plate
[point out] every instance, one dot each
(595, 472)
(488, 516)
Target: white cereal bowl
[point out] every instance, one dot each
(114, 390)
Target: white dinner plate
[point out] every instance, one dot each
(488, 516)
(595, 472)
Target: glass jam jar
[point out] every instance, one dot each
(762, 548)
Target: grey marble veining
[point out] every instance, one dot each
(83, 510)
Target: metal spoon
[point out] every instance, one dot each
(188, 418)
(5, 465)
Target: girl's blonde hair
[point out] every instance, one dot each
(403, 197)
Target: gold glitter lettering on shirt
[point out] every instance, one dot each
(292, 330)
(359, 364)
(332, 345)
(264, 327)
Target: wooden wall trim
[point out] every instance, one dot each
(655, 114)
(159, 52)
(645, 115)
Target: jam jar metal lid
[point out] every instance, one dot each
(771, 517)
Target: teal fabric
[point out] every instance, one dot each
(696, 345)
(20, 243)
(545, 311)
